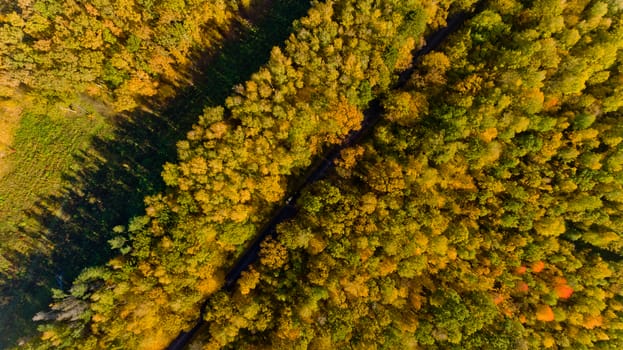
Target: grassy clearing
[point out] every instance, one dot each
(44, 149)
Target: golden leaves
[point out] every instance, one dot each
(209, 285)
(355, 287)
(550, 226)
(592, 321)
(406, 108)
(248, 280)
(544, 313)
(489, 134)
(273, 254)
(405, 57)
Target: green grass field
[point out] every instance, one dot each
(45, 149)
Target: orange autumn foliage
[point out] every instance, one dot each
(562, 289)
(550, 103)
(544, 313)
(522, 286)
(538, 266)
(591, 322)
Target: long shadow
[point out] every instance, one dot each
(116, 173)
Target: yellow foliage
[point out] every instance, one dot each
(139, 84)
(551, 145)
(208, 233)
(273, 254)
(548, 341)
(219, 129)
(366, 253)
(532, 100)
(405, 57)
(591, 321)
(145, 268)
(116, 263)
(48, 335)
(428, 178)
(287, 330)
(520, 124)
(387, 266)
(356, 287)
(544, 313)
(452, 254)
(240, 213)
(271, 188)
(349, 156)
(437, 64)
(456, 176)
(161, 62)
(316, 245)
(368, 203)
(550, 226)
(156, 340)
(92, 39)
(582, 135)
(489, 134)
(124, 102)
(490, 155)
(439, 245)
(470, 85)
(347, 116)
(210, 283)
(248, 280)
(405, 108)
(416, 300)
(387, 177)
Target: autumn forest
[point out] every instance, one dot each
(363, 174)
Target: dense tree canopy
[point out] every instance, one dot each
(119, 51)
(483, 212)
(233, 170)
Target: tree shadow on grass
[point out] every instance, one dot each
(116, 173)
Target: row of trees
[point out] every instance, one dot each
(233, 170)
(485, 212)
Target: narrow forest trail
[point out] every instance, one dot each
(320, 168)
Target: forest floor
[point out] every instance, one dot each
(72, 179)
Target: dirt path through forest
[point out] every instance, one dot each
(320, 168)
